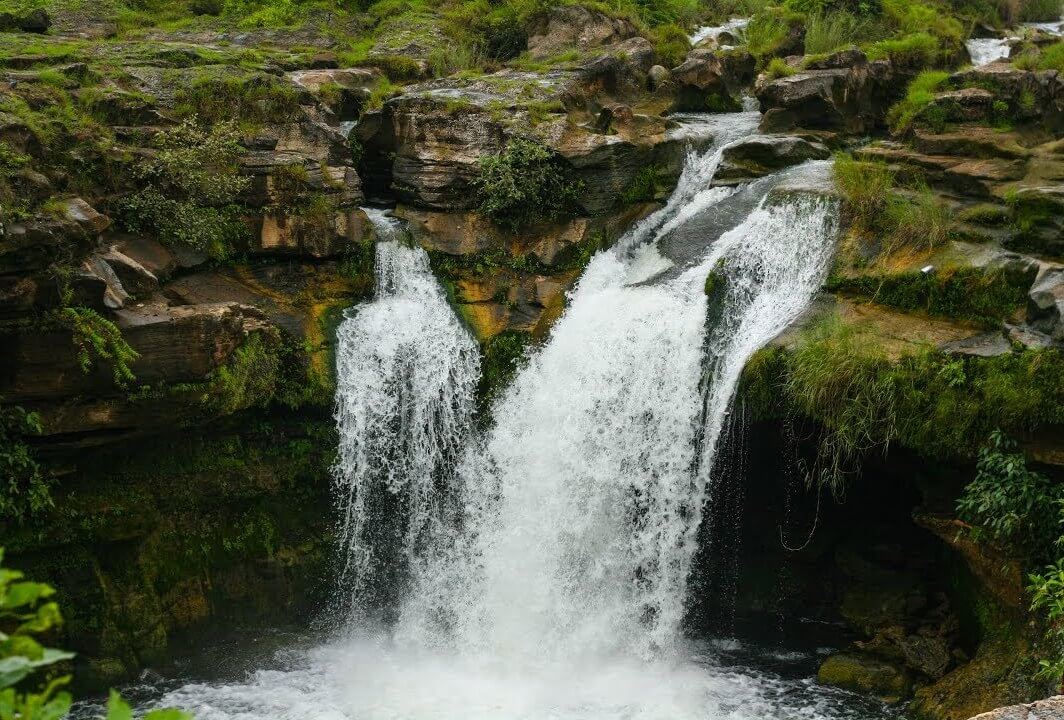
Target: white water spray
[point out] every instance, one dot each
(406, 374)
(554, 584)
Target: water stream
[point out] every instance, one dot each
(543, 562)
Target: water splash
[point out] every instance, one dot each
(984, 51)
(406, 376)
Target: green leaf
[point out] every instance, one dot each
(117, 708)
(25, 593)
(13, 669)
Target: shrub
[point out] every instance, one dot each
(23, 486)
(1040, 10)
(1012, 504)
(671, 45)
(865, 187)
(766, 34)
(27, 612)
(190, 189)
(527, 182)
(255, 99)
(1052, 58)
(921, 93)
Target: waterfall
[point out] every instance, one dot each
(546, 559)
(406, 373)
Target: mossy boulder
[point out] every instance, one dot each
(865, 674)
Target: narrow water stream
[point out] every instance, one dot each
(539, 568)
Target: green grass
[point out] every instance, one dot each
(777, 68)
(1040, 10)
(921, 93)
(939, 405)
(671, 45)
(827, 32)
(1052, 58)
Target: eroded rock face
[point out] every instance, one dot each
(849, 99)
(575, 26)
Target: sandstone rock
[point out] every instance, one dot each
(852, 99)
(333, 236)
(149, 254)
(136, 279)
(711, 80)
(1048, 709)
(567, 27)
(115, 296)
(865, 674)
(343, 91)
(760, 155)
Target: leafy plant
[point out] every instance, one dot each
(190, 189)
(1009, 502)
(27, 611)
(24, 487)
(526, 183)
(97, 338)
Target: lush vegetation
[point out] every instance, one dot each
(24, 490)
(190, 189)
(897, 217)
(839, 375)
(1023, 511)
(525, 184)
(30, 687)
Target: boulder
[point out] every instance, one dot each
(1045, 305)
(569, 27)
(861, 673)
(31, 21)
(986, 345)
(659, 77)
(711, 80)
(1030, 95)
(853, 100)
(343, 91)
(760, 155)
(136, 279)
(851, 57)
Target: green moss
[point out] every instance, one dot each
(934, 403)
(986, 297)
(250, 377)
(501, 358)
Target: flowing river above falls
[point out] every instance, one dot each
(538, 568)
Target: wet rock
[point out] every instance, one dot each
(136, 279)
(865, 674)
(711, 80)
(574, 26)
(760, 155)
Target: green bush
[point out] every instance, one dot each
(526, 183)
(921, 93)
(1011, 504)
(24, 487)
(190, 189)
(257, 99)
(671, 45)
(1040, 10)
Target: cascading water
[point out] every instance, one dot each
(548, 572)
(406, 374)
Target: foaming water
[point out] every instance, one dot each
(547, 574)
(406, 374)
(984, 51)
